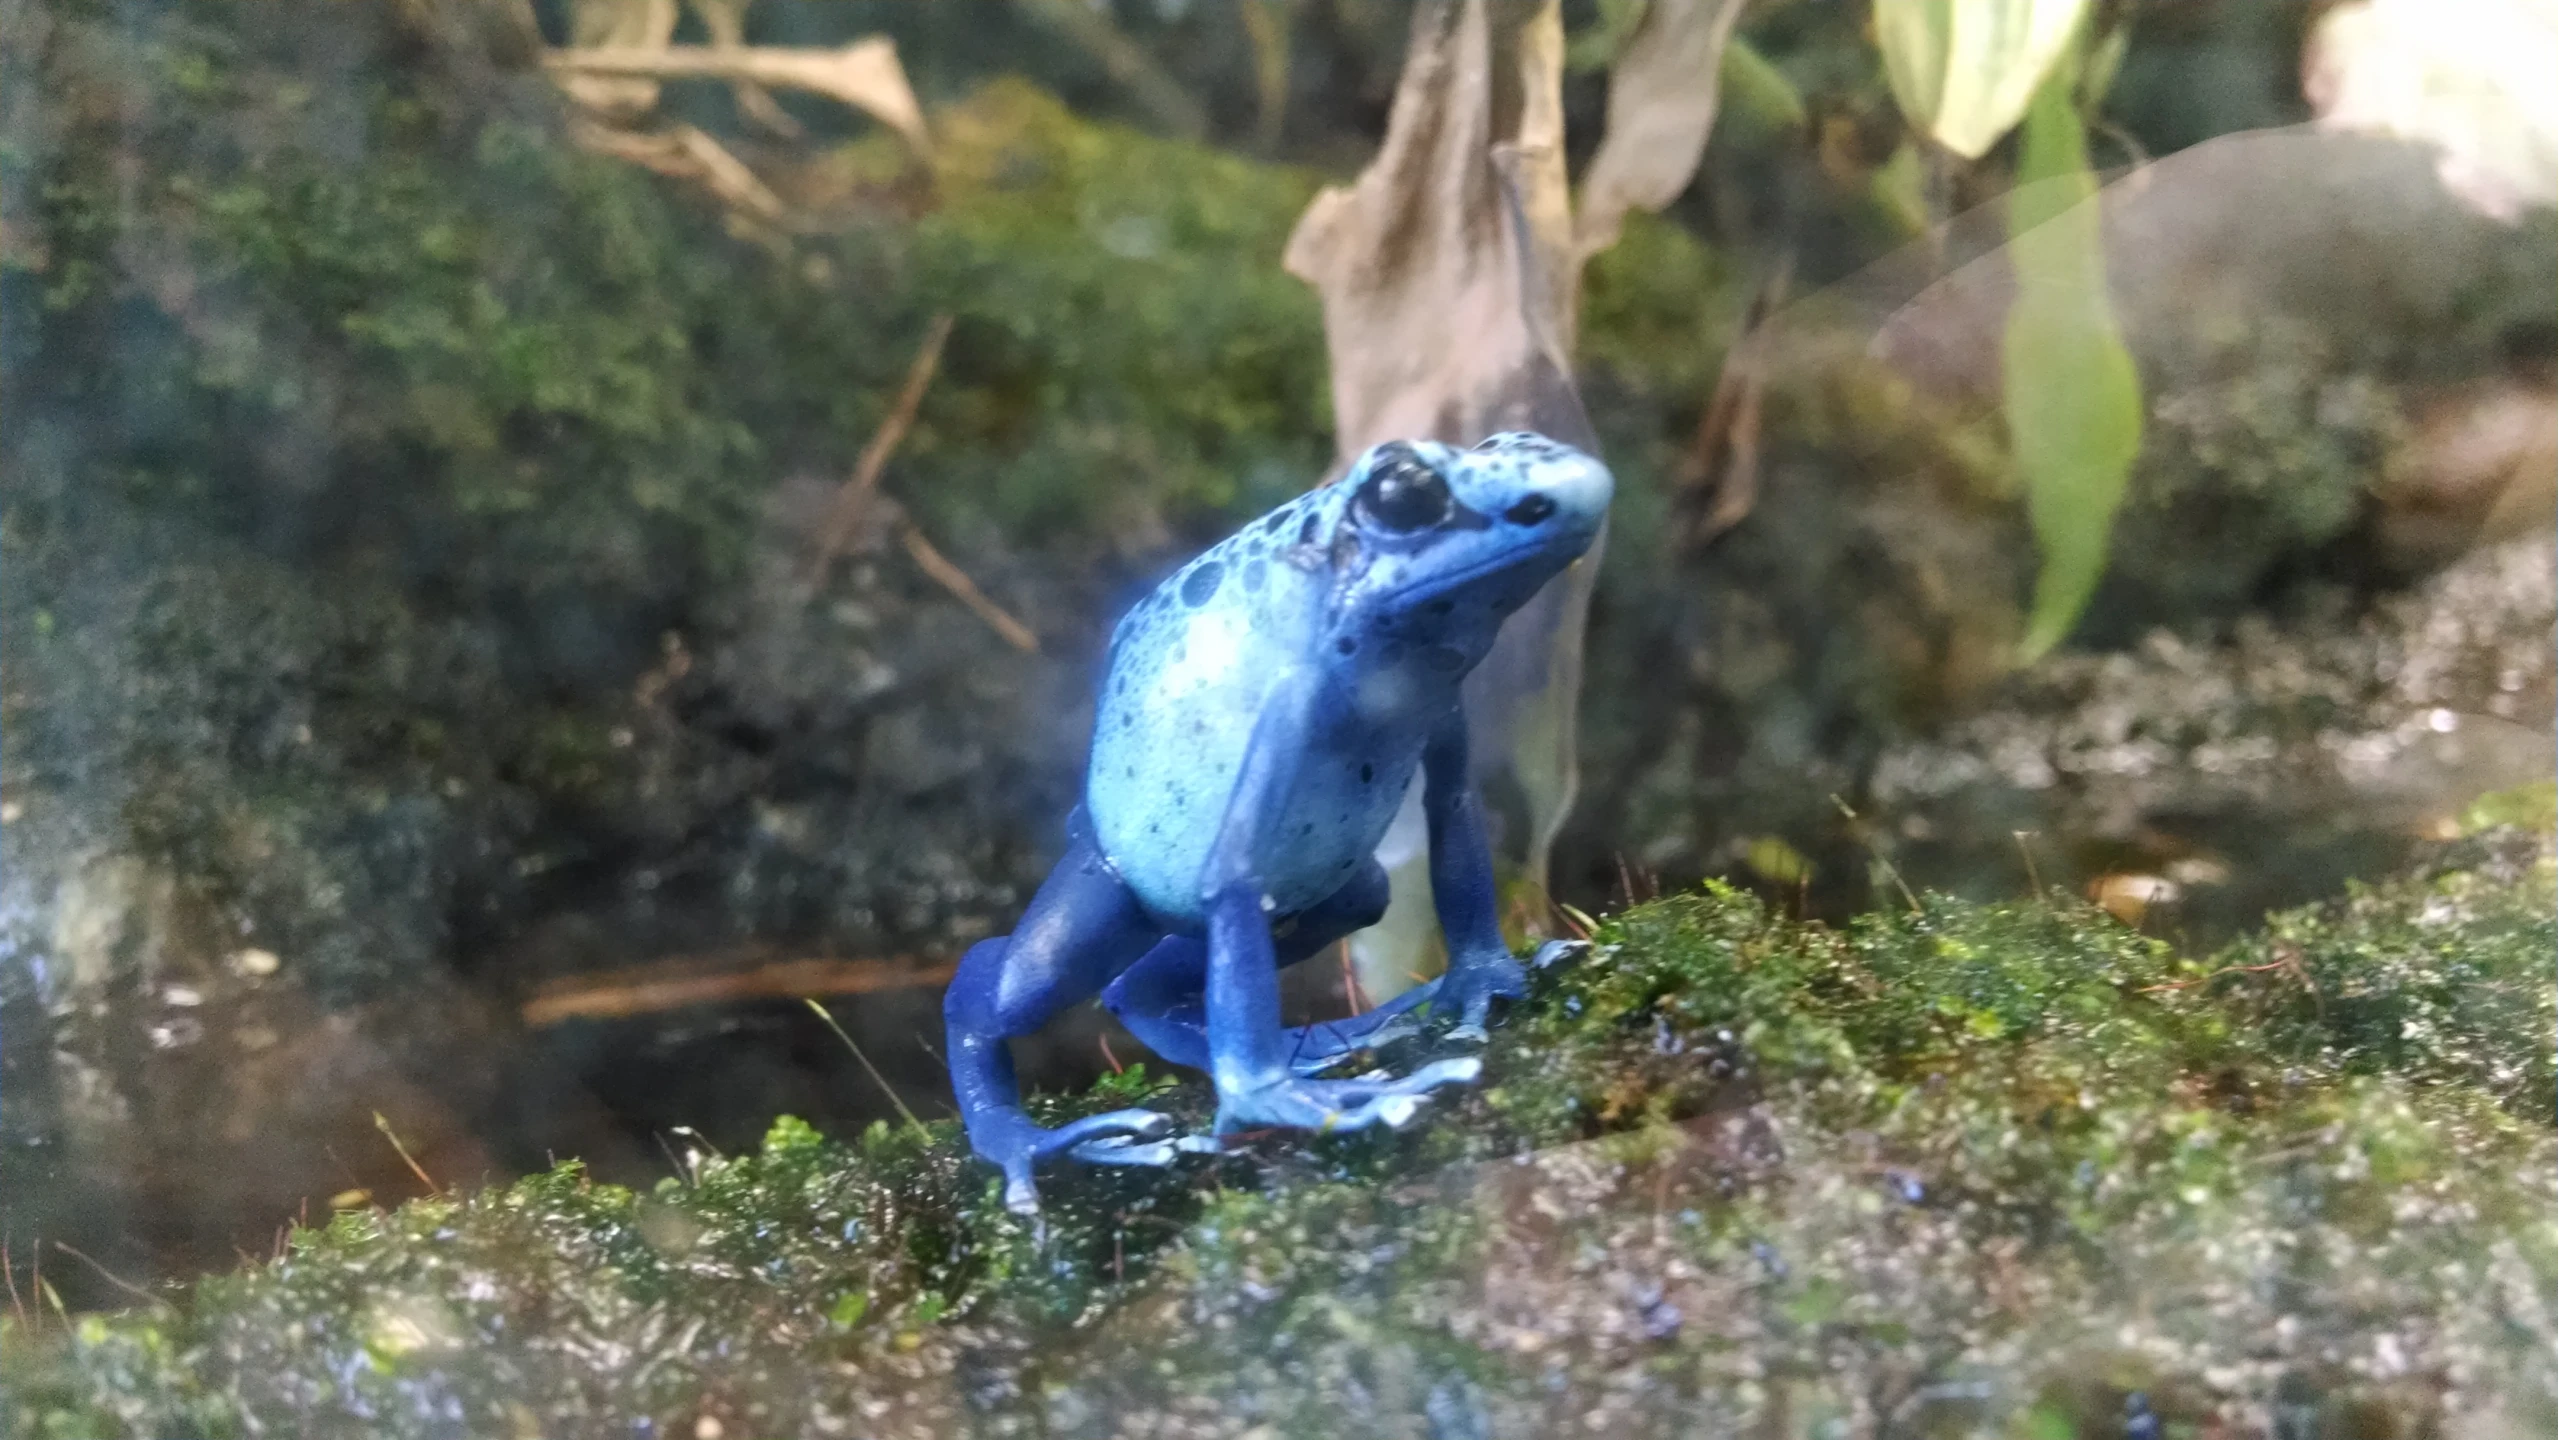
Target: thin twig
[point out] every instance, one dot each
(1719, 474)
(384, 1125)
(843, 522)
(9, 1273)
(53, 1297)
(881, 1080)
(1266, 24)
(1147, 81)
(2033, 876)
(683, 1171)
(108, 1275)
(955, 580)
(687, 153)
(698, 1138)
(844, 517)
(1881, 859)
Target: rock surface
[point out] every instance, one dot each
(2011, 1170)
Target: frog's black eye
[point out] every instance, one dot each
(1402, 493)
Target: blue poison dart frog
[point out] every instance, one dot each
(1264, 712)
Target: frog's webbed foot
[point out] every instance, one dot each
(1468, 989)
(1119, 1137)
(1297, 1103)
(1559, 952)
(1315, 1048)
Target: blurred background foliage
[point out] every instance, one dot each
(412, 616)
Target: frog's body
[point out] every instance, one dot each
(1265, 711)
(1191, 669)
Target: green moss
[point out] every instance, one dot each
(1989, 1169)
(370, 439)
(1127, 339)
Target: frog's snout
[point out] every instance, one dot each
(1566, 490)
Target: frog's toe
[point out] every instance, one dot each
(1559, 952)
(1121, 1137)
(1319, 1047)
(1123, 1150)
(1116, 1128)
(1021, 1193)
(1393, 1103)
(1330, 1105)
(1469, 988)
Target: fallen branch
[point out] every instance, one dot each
(620, 995)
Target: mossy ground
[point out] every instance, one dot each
(1969, 1169)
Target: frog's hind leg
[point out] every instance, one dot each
(1081, 927)
(1162, 998)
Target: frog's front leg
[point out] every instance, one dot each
(1250, 1057)
(1083, 927)
(1480, 965)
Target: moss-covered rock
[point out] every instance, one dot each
(1997, 1170)
(404, 558)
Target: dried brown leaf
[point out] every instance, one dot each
(865, 74)
(1661, 101)
(688, 153)
(618, 25)
(1439, 293)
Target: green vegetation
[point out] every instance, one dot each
(1978, 1169)
(357, 488)
(2072, 397)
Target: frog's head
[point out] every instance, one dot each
(1436, 544)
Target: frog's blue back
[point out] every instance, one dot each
(1191, 668)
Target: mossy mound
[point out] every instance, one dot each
(1972, 1169)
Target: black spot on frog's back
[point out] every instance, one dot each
(1202, 585)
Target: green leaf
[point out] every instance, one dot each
(1598, 47)
(1964, 70)
(789, 1133)
(2072, 396)
(1754, 90)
